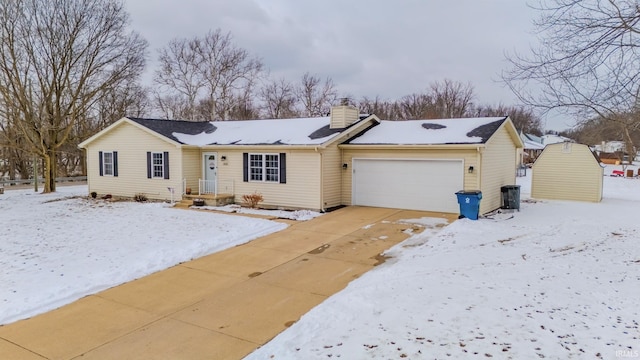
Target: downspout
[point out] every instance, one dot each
(321, 204)
(479, 161)
(479, 175)
(322, 209)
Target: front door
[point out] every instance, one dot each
(210, 171)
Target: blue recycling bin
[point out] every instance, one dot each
(469, 202)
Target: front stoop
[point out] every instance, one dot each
(210, 199)
(183, 204)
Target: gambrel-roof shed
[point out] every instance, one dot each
(567, 171)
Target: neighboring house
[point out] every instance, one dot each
(531, 137)
(614, 152)
(554, 139)
(610, 146)
(531, 152)
(567, 171)
(308, 163)
(532, 148)
(610, 158)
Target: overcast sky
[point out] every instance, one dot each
(368, 47)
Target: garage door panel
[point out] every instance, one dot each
(407, 184)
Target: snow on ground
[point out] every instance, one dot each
(300, 215)
(56, 248)
(556, 280)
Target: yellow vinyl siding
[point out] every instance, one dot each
(192, 168)
(574, 175)
(331, 177)
(468, 156)
(498, 168)
(132, 145)
(302, 189)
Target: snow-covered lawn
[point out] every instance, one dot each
(556, 280)
(300, 215)
(56, 248)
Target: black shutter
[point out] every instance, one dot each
(115, 163)
(148, 164)
(245, 167)
(283, 168)
(100, 162)
(166, 165)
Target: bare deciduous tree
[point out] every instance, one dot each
(443, 100)
(278, 97)
(381, 108)
(230, 74)
(415, 106)
(181, 72)
(452, 99)
(315, 96)
(206, 78)
(56, 59)
(587, 64)
(524, 118)
(171, 106)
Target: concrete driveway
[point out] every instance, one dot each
(221, 306)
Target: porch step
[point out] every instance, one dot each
(183, 204)
(209, 200)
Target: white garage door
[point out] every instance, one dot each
(408, 184)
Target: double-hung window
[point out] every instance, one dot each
(107, 163)
(256, 167)
(264, 167)
(272, 167)
(158, 164)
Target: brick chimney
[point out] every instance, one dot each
(343, 115)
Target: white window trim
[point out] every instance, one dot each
(153, 165)
(263, 168)
(104, 163)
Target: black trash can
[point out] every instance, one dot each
(510, 197)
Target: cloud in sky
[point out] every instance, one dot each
(369, 48)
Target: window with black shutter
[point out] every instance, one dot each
(257, 167)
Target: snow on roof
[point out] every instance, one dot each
(303, 131)
(431, 132)
(554, 139)
(532, 145)
(532, 138)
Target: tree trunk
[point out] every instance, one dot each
(12, 167)
(83, 163)
(630, 148)
(50, 171)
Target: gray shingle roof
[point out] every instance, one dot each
(431, 132)
(302, 131)
(168, 127)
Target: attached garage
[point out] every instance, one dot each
(421, 164)
(415, 184)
